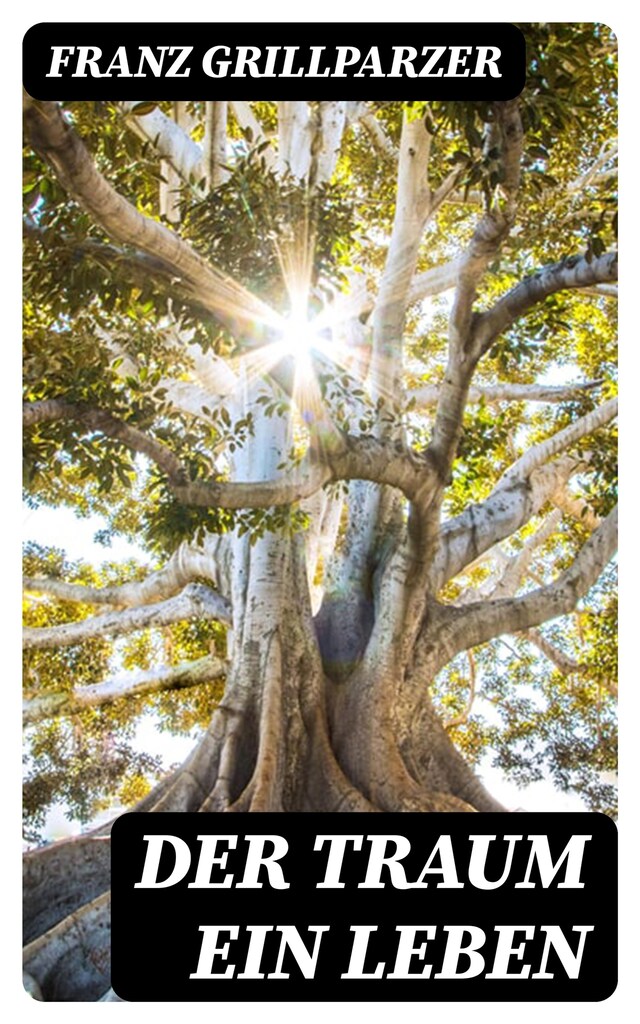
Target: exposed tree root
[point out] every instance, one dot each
(71, 961)
(59, 879)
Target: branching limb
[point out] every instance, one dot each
(563, 439)
(487, 239)
(215, 143)
(531, 481)
(571, 273)
(428, 394)
(608, 151)
(56, 141)
(295, 132)
(140, 264)
(482, 622)
(413, 202)
(574, 505)
(423, 286)
(326, 148)
(566, 665)
(509, 507)
(185, 565)
(517, 566)
(195, 601)
(131, 684)
(170, 140)
(355, 458)
(362, 113)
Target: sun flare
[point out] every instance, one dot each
(300, 337)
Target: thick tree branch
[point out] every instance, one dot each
(571, 273)
(428, 394)
(294, 133)
(56, 141)
(353, 458)
(423, 286)
(608, 291)
(131, 684)
(170, 140)
(482, 622)
(187, 564)
(531, 481)
(362, 113)
(560, 441)
(488, 237)
(517, 566)
(566, 665)
(326, 147)
(413, 203)
(53, 409)
(509, 507)
(215, 142)
(493, 228)
(195, 601)
(574, 505)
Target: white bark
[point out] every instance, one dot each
(563, 439)
(517, 566)
(187, 564)
(195, 601)
(215, 143)
(295, 133)
(171, 141)
(325, 511)
(362, 113)
(609, 291)
(508, 508)
(131, 684)
(427, 395)
(413, 199)
(246, 119)
(332, 118)
(481, 622)
(574, 505)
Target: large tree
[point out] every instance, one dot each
(346, 372)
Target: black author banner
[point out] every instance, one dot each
(364, 907)
(118, 61)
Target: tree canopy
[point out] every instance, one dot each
(165, 247)
(346, 374)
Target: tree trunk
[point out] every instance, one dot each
(325, 708)
(286, 737)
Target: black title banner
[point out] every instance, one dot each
(182, 61)
(364, 907)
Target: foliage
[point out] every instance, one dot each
(81, 288)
